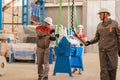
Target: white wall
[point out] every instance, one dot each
(93, 19)
(53, 12)
(117, 6)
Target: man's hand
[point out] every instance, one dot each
(119, 53)
(81, 44)
(88, 43)
(52, 31)
(57, 35)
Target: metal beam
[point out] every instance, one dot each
(25, 12)
(12, 23)
(0, 14)
(7, 5)
(42, 11)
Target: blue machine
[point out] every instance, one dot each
(51, 56)
(76, 57)
(67, 57)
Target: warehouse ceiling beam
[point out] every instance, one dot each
(7, 23)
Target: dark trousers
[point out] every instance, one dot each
(108, 64)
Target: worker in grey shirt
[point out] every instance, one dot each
(108, 38)
(43, 41)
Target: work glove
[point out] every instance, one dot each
(52, 31)
(57, 35)
(81, 44)
(88, 43)
(119, 53)
(52, 38)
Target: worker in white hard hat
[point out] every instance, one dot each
(108, 38)
(104, 10)
(43, 41)
(83, 36)
(49, 20)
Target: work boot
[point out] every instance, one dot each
(74, 70)
(40, 77)
(112, 74)
(45, 78)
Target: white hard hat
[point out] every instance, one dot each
(48, 20)
(81, 26)
(103, 10)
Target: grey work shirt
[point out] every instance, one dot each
(107, 35)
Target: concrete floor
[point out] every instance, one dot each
(28, 70)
